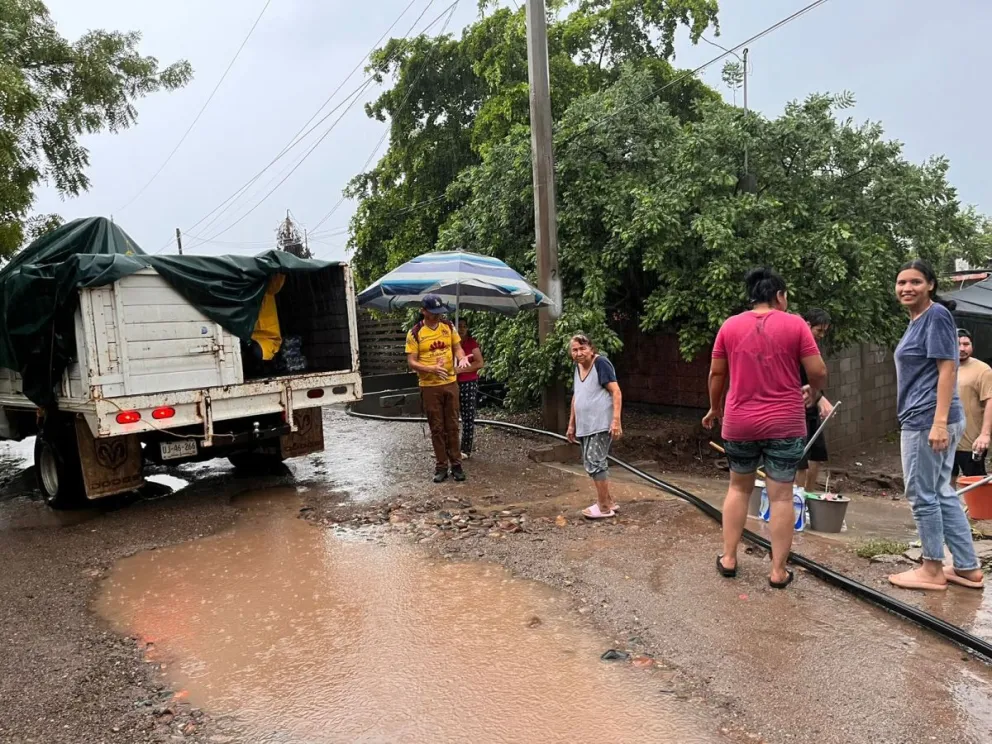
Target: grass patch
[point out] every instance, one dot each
(881, 547)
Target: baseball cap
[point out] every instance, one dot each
(434, 304)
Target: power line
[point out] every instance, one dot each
(299, 162)
(218, 212)
(692, 73)
(202, 108)
(347, 104)
(330, 233)
(300, 134)
(406, 98)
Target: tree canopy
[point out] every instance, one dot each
(452, 100)
(52, 92)
(657, 219)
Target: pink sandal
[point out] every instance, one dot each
(953, 577)
(912, 580)
(593, 512)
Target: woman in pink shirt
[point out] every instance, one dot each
(765, 416)
(468, 387)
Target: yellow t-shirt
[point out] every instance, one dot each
(974, 388)
(433, 345)
(267, 332)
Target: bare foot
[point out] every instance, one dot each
(728, 562)
(973, 579)
(919, 578)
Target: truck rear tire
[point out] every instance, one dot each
(256, 463)
(56, 461)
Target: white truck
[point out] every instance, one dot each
(154, 380)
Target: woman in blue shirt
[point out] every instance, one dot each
(932, 421)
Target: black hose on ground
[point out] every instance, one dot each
(953, 633)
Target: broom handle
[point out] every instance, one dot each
(982, 482)
(819, 431)
(722, 451)
(809, 444)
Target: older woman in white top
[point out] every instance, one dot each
(595, 419)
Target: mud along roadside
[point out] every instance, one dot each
(773, 666)
(64, 676)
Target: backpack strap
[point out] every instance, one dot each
(415, 331)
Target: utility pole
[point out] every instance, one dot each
(748, 182)
(179, 240)
(545, 214)
(744, 64)
(744, 67)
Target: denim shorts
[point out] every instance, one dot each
(781, 457)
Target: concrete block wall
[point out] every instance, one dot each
(651, 372)
(863, 378)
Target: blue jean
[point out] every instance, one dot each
(937, 509)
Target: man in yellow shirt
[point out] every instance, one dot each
(432, 348)
(975, 391)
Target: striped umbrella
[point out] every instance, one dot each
(465, 281)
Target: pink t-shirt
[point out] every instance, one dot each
(764, 352)
(469, 346)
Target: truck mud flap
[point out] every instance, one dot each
(308, 437)
(110, 465)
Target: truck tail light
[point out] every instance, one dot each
(128, 417)
(165, 412)
(315, 393)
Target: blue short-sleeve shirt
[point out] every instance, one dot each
(928, 339)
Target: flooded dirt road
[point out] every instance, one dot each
(290, 633)
(257, 614)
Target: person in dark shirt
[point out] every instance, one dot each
(818, 321)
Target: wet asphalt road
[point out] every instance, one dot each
(807, 665)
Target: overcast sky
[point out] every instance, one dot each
(918, 70)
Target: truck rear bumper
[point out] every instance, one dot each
(142, 414)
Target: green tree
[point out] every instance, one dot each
(654, 228)
(452, 100)
(52, 92)
(733, 77)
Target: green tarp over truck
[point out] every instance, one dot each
(38, 292)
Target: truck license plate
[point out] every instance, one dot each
(177, 450)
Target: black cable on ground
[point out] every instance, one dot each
(952, 633)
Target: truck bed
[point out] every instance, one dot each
(142, 348)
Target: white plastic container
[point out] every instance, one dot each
(798, 507)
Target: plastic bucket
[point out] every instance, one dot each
(979, 500)
(754, 505)
(826, 515)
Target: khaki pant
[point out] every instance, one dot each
(441, 408)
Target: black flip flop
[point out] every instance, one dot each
(781, 584)
(728, 573)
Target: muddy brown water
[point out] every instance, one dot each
(289, 633)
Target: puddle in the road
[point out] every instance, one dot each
(293, 634)
(356, 467)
